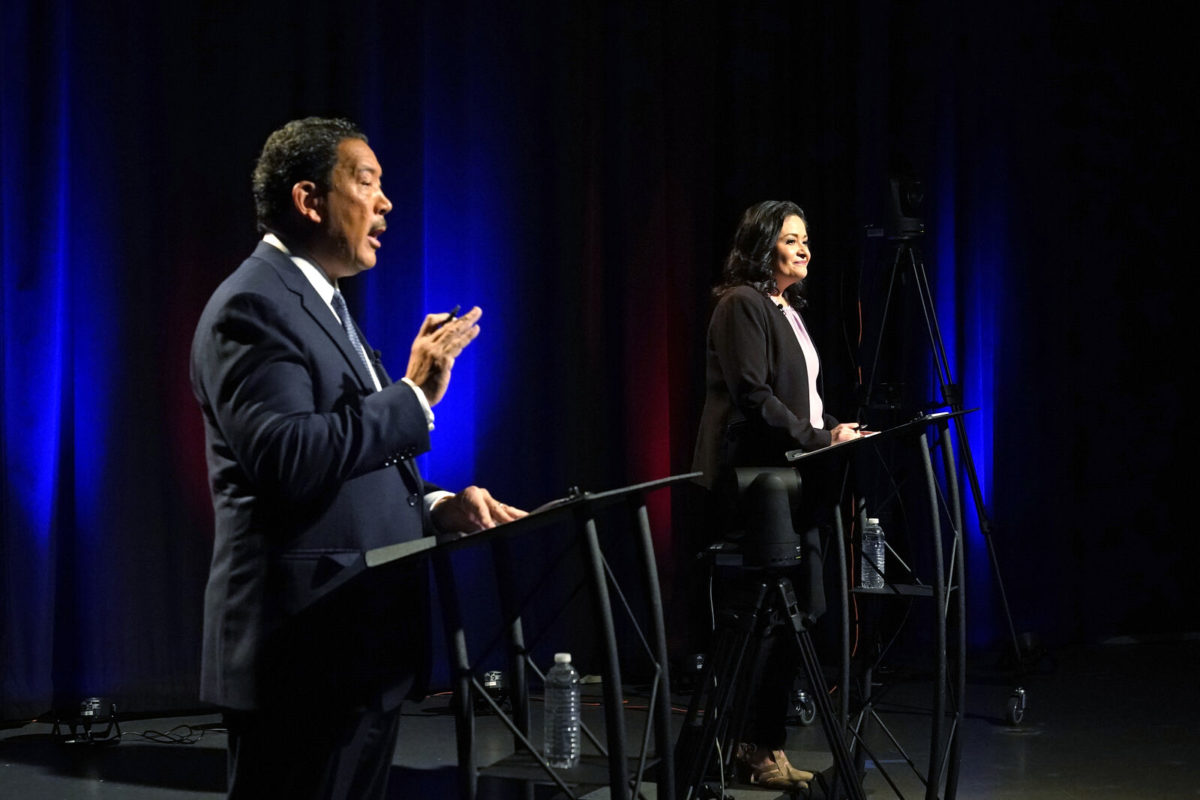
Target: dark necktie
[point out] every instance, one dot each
(339, 305)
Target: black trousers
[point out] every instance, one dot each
(772, 677)
(300, 753)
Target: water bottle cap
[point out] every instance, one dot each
(872, 520)
(562, 658)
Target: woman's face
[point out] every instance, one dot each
(791, 253)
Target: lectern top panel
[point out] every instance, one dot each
(542, 515)
(913, 424)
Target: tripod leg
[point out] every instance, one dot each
(952, 396)
(714, 694)
(843, 765)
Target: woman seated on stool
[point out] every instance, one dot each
(761, 400)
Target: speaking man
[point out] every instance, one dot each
(310, 449)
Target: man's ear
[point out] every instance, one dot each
(308, 202)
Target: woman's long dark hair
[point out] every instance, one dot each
(751, 261)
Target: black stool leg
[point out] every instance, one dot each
(737, 645)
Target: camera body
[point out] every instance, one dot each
(764, 500)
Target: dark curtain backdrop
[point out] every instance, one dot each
(577, 170)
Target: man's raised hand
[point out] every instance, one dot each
(439, 341)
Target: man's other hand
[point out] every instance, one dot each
(472, 509)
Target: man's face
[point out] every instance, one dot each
(353, 211)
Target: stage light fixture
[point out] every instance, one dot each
(84, 726)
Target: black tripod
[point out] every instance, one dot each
(740, 634)
(908, 257)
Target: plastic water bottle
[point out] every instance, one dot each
(561, 729)
(873, 550)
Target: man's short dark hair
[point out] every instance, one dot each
(302, 150)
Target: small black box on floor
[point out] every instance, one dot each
(83, 723)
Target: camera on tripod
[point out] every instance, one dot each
(905, 196)
(763, 501)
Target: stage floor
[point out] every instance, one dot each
(1120, 721)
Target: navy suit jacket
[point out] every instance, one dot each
(756, 404)
(309, 468)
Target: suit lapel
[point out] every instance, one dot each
(784, 333)
(317, 310)
(787, 335)
(324, 318)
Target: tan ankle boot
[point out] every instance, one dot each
(769, 768)
(799, 775)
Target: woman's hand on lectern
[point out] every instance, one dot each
(845, 432)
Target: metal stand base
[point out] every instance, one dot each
(739, 637)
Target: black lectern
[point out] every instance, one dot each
(613, 767)
(946, 589)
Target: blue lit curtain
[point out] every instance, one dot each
(577, 172)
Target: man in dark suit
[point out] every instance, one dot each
(310, 449)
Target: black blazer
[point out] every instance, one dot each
(756, 389)
(309, 467)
